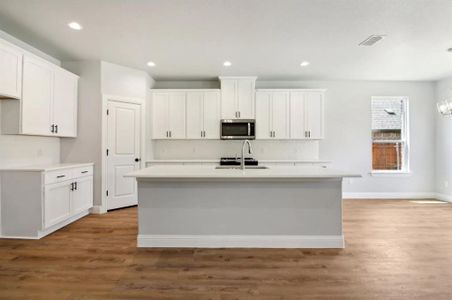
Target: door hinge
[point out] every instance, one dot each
(108, 151)
(108, 112)
(106, 192)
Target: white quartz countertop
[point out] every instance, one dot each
(210, 172)
(49, 167)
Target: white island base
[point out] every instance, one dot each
(287, 207)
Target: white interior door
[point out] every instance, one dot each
(124, 152)
(314, 114)
(195, 115)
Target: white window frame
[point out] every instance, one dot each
(405, 138)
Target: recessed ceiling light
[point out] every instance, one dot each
(151, 64)
(304, 63)
(75, 26)
(227, 63)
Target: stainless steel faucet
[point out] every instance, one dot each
(250, 151)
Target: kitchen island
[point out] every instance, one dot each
(277, 207)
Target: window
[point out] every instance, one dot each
(390, 147)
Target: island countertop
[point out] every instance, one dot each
(211, 173)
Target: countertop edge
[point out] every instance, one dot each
(50, 167)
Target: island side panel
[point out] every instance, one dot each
(240, 209)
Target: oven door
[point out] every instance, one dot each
(237, 129)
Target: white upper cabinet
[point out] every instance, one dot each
(195, 115)
(168, 109)
(47, 98)
(10, 72)
(37, 97)
(65, 103)
(160, 117)
(237, 97)
(306, 114)
(272, 115)
(203, 115)
(211, 115)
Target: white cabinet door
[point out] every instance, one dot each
(10, 72)
(314, 114)
(177, 115)
(65, 103)
(160, 115)
(245, 98)
(195, 115)
(211, 115)
(57, 203)
(263, 117)
(297, 116)
(280, 115)
(37, 96)
(229, 108)
(82, 196)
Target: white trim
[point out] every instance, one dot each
(426, 195)
(241, 241)
(98, 210)
(443, 197)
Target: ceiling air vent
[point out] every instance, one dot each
(371, 40)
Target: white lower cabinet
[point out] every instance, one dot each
(57, 203)
(36, 202)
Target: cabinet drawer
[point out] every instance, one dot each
(82, 171)
(58, 176)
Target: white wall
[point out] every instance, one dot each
(97, 79)
(347, 140)
(444, 143)
(20, 150)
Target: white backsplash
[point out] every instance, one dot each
(214, 149)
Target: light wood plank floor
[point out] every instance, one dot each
(395, 250)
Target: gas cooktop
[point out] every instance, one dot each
(235, 161)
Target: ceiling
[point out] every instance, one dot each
(190, 39)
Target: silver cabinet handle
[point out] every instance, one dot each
(52, 128)
(56, 128)
(170, 133)
(204, 133)
(167, 134)
(239, 114)
(271, 133)
(274, 134)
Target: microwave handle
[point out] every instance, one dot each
(249, 128)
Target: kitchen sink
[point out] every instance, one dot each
(246, 167)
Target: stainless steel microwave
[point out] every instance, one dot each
(238, 129)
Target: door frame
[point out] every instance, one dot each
(106, 99)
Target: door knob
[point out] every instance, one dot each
(137, 159)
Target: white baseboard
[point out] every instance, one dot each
(241, 241)
(389, 195)
(443, 197)
(97, 210)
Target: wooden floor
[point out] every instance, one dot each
(394, 250)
